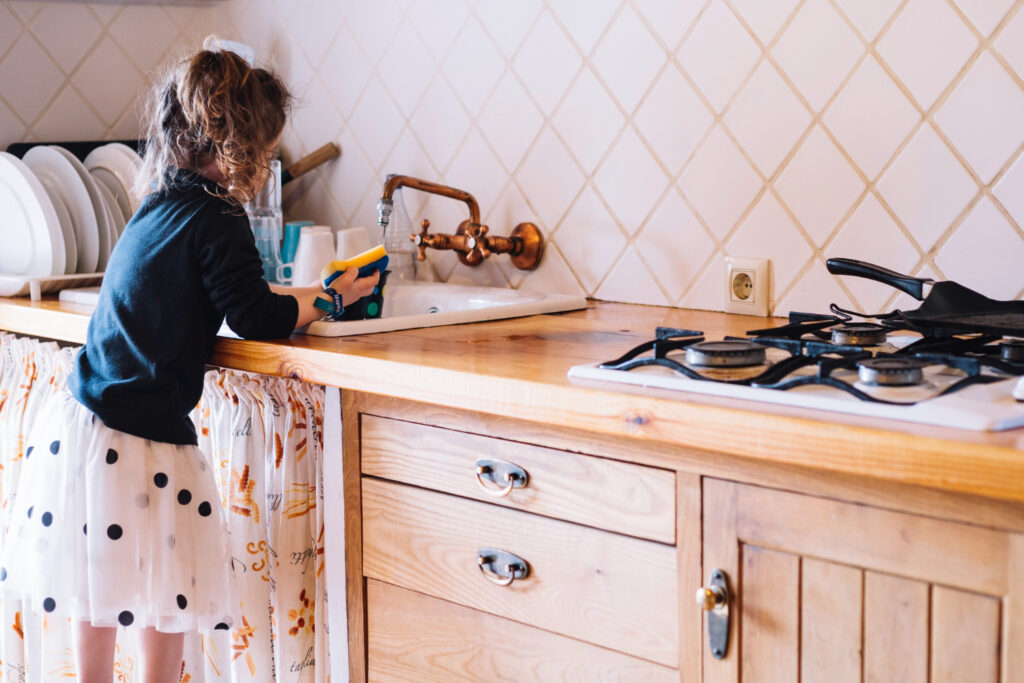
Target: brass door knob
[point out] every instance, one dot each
(713, 600)
(710, 598)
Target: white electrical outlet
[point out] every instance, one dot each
(746, 285)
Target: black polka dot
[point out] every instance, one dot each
(114, 531)
(125, 618)
(184, 496)
(49, 604)
(182, 601)
(221, 626)
(205, 509)
(47, 519)
(111, 456)
(30, 509)
(160, 479)
(54, 447)
(28, 453)
(85, 529)
(3, 573)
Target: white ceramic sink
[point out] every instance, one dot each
(431, 304)
(424, 304)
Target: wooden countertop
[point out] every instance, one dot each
(517, 368)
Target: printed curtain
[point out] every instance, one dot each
(264, 440)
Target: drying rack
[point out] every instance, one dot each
(35, 287)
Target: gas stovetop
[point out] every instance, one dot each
(833, 363)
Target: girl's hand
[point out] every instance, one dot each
(352, 289)
(346, 285)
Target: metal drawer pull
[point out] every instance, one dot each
(500, 566)
(505, 475)
(714, 600)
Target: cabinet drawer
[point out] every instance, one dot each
(603, 588)
(463, 644)
(607, 494)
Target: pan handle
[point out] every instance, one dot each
(914, 286)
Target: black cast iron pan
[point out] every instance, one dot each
(946, 305)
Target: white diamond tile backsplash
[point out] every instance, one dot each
(648, 139)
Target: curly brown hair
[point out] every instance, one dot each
(214, 107)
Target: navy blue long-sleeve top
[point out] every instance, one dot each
(186, 261)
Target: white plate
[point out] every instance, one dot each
(115, 221)
(115, 165)
(45, 160)
(28, 222)
(104, 177)
(98, 207)
(67, 226)
(125, 168)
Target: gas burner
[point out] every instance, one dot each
(859, 334)
(890, 372)
(725, 353)
(800, 355)
(878, 365)
(1012, 350)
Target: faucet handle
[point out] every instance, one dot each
(481, 242)
(421, 240)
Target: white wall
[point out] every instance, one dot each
(647, 138)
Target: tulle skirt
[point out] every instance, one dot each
(115, 529)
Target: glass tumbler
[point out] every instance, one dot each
(265, 217)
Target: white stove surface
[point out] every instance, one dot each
(980, 407)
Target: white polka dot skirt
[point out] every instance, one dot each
(117, 530)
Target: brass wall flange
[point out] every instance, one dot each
(532, 250)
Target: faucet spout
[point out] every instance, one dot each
(384, 205)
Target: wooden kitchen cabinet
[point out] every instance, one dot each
(833, 578)
(825, 590)
(601, 600)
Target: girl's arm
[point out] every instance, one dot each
(350, 289)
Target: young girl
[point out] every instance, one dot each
(117, 519)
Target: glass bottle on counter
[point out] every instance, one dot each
(401, 251)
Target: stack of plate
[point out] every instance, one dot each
(60, 217)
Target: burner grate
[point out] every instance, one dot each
(810, 358)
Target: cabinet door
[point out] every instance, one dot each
(831, 591)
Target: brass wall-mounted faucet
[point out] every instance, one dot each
(471, 242)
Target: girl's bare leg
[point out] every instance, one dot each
(161, 656)
(94, 652)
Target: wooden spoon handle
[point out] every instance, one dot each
(311, 161)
